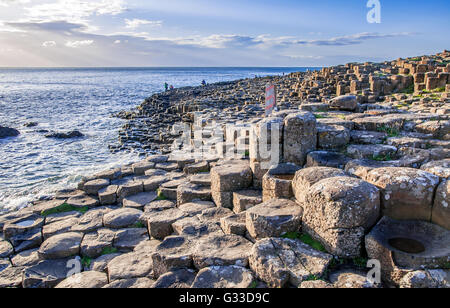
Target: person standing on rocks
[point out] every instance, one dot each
(166, 86)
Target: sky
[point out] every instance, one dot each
(201, 33)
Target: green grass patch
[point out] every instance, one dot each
(64, 208)
(253, 285)
(109, 251)
(391, 132)
(408, 90)
(305, 238)
(312, 278)
(386, 157)
(86, 262)
(360, 262)
(138, 225)
(417, 59)
(319, 116)
(442, 89)
(160, 195)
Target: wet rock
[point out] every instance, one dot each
(121, 218)
(219, 250)
(307, 177)
(273, 218)
(68, 135)
(61, 246)
(177, 279)
(85, 280)
(94, 186)
(107, 195)
(406, 193)
(83, 201)
(279, 261)
(338, 211)
(223, 277)
(8, 132)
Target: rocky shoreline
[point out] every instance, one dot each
(356, 188)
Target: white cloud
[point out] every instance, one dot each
(75, 10)
(6, 3)
(76, 44)
(135, 23)
(49, 44)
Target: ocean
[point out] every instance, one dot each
(84, 99)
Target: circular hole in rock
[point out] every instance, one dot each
(407, 245)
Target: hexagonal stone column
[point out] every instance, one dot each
(227, 178)
(273, 218)
(338, 211)
(406, 193)
(300, 137)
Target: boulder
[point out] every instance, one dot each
(307, 177)
(234, 224)
(406, 193)
(332, 136)
(351, 279)
(189, 192)
(11, 277)
(338, 211)
(68, 135)
(91, 220)
(274, 218)
(108, 195)
(278, 262)
(223, 277)
(26, 258)
(441, 168)
(426, 279)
